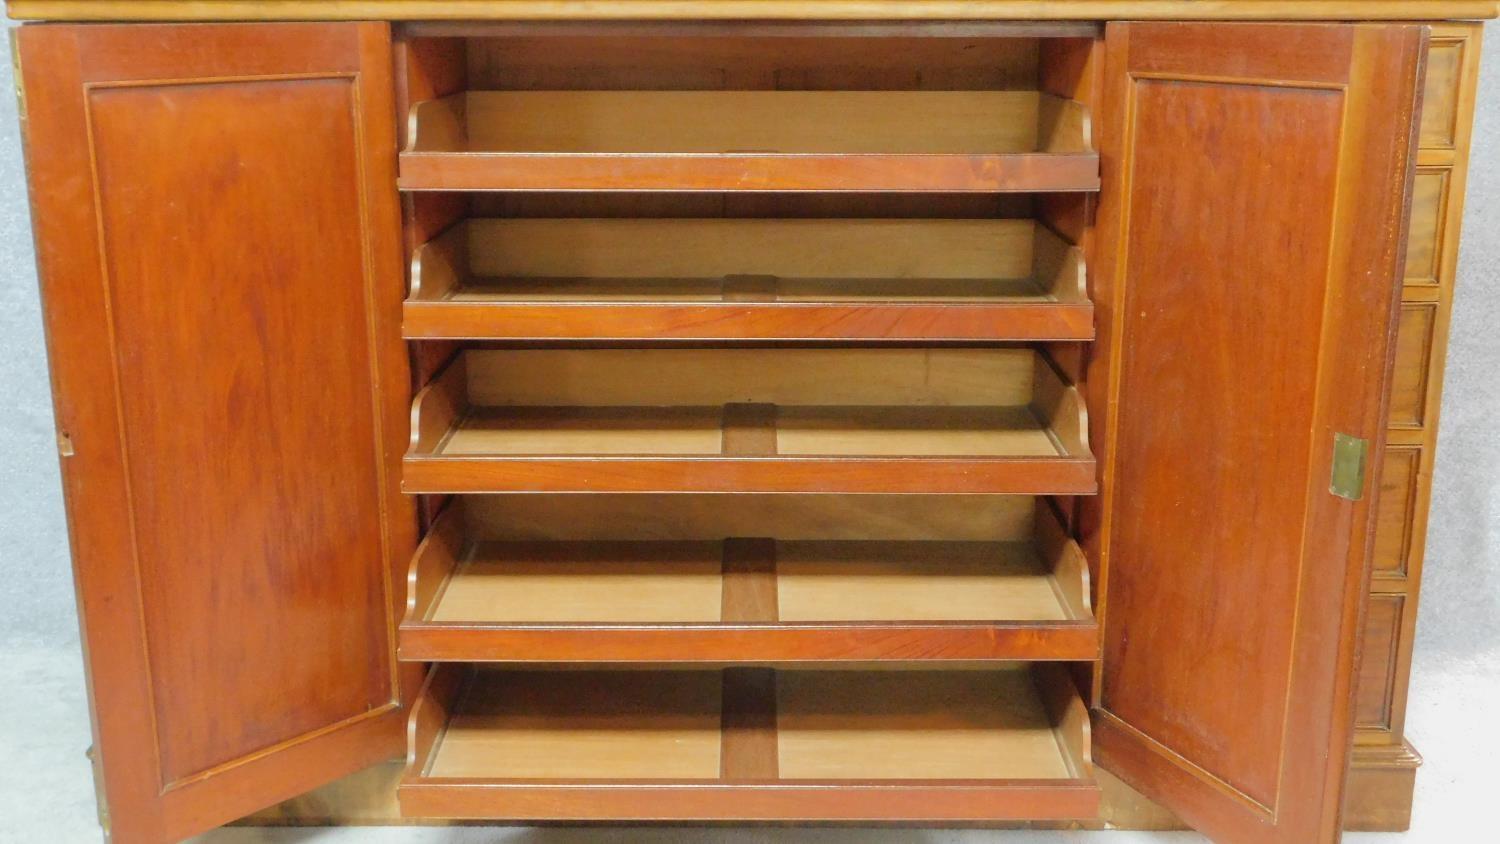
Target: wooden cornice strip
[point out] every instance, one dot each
(204, 10)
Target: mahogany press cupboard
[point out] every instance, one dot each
(945, 412)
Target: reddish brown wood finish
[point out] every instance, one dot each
(217, 240)
(998, 475)
(709, 321)
(783, 643)
(1001, 173)
(1251, 313)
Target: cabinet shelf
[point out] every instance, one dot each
(748, 279)
(611, 140)
(474, 597)
(998, 420)
(751, 744)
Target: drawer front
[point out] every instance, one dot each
(1412, 381)
(1443, 106)
(1377, 689)
(1400, 491)
(1425, 235)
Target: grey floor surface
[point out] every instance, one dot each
(46, 794)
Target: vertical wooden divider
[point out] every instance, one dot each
(748, 749)
(748, 743)
(749, 581)
(750, 288)
(749, 430)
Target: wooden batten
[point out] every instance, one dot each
(884, 475)
(703, 316)
(752, 172)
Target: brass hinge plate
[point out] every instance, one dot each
(1349, 457)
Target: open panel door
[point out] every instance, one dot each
(218, 243)
(1250, 232)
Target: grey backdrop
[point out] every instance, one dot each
(1458, 620)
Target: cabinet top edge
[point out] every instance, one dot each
(447, 10)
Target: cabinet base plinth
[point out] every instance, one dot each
(1378, 795)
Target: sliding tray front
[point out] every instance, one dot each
(997, 420)
(748, 279)
(992, 141)
(589, 579)
(750, 744)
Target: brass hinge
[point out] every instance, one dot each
(15, 67)
(100, 803)
(1349, 456)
